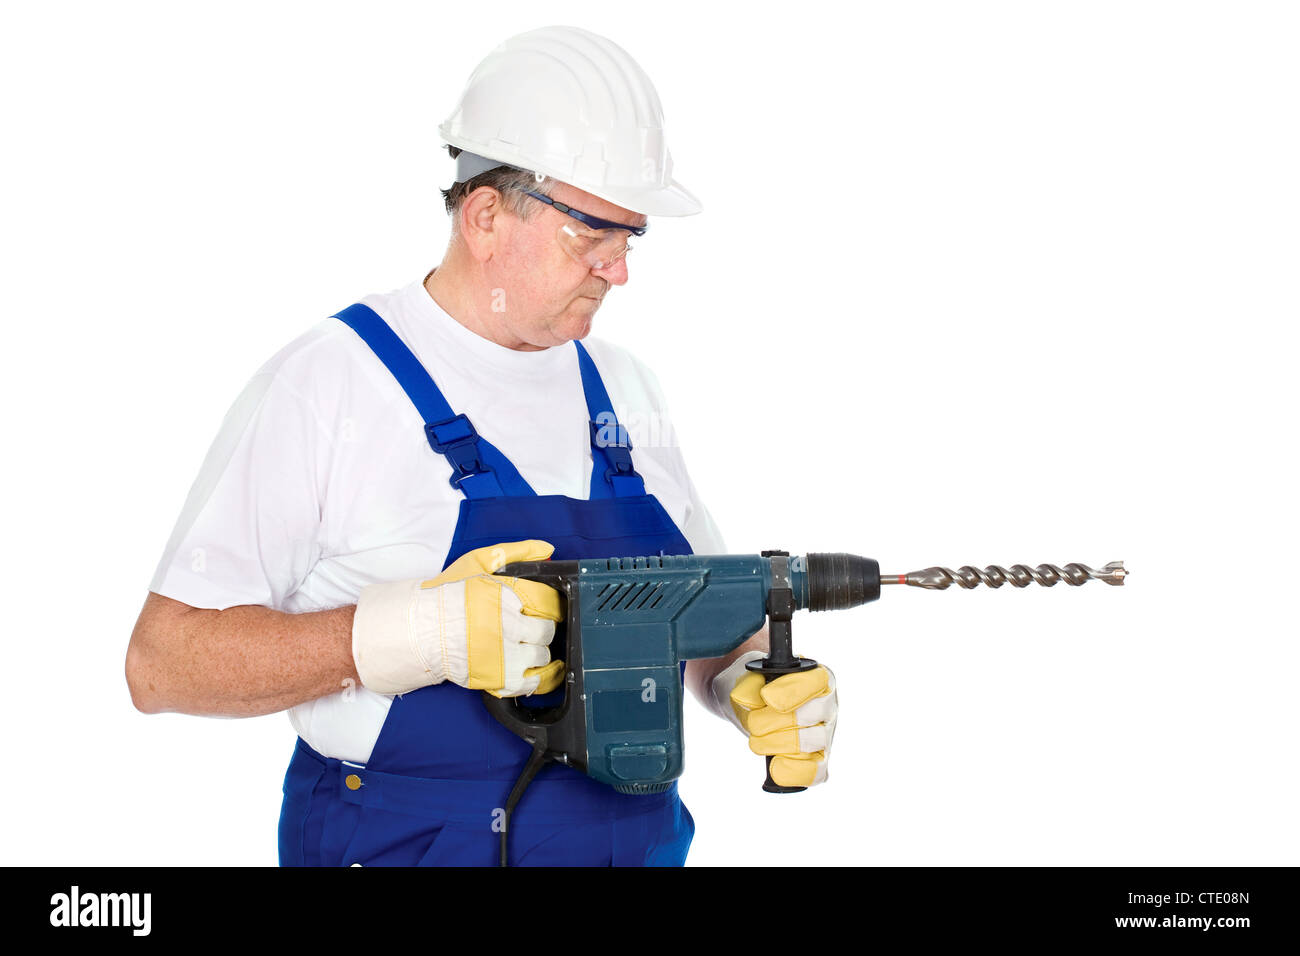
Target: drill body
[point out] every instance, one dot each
(630, 622)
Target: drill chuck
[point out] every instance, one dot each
(832, 581)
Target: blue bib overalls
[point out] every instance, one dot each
(434, 789)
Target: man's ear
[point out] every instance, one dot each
(481, 215)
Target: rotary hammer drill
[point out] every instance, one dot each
(629, 623)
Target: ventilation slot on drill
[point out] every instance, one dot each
(607, 593)
(655, 592)
(633, 593)
(643, 788)
(641, 596)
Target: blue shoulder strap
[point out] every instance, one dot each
(612, 474)
(477, 469)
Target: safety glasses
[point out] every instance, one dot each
(596, 243)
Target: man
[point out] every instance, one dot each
(459, 424)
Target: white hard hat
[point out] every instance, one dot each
(566, 103)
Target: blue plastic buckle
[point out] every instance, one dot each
(457, 440)
(618, 449)
(600, 436)
(622, 467)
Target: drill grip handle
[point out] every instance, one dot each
(771, 671)
(780, 659)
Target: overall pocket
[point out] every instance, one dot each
(388, 838)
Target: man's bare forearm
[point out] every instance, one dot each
(240, 662)
(700, 673)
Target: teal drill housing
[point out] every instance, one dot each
(630, 623)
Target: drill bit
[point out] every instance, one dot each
(1018, 576)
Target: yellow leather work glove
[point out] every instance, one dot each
(467, 625)
(792, 719)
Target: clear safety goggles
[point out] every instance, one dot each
(596, 243)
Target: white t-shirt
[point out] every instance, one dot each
(321, 480)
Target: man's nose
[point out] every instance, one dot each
(615, 273)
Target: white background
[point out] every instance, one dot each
(975, 282)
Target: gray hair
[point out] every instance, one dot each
(509, 181)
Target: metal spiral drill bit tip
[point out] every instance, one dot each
(1018, 576)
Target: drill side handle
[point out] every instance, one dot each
(780, 659)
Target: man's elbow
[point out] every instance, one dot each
(140, 680)
(144, 664)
